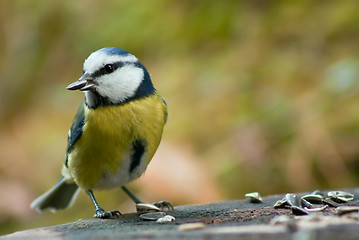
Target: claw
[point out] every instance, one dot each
(107, 214)
(164, 205)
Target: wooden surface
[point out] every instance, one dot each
(219, 220)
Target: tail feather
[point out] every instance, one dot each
(58, 197)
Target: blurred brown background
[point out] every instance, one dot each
(262, 96)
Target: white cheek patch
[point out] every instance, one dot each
(99, 59)
(121, 84)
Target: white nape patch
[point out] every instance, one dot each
(121, 84)
(100, 58)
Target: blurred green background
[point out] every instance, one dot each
(262, 96)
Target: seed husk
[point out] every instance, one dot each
(282, 203)
(318, 209)
(304, 203)
(330, 202)
(313, 198)
(318, 192)
(254, 197)
(340, 196)
(298, 211)
(292, 199)
(152, 216)
(146, 208)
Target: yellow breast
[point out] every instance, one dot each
(108, 136)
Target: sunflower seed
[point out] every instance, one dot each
(282, 203)
(304, 203)
(318, 192)
(313, 198)
(146, 208)
(254, 197)
(330, 202)
(298, 211)
(152, 216)
(340, 196)
(292, 199)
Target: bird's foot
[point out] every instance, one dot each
(164, 205)
(100, 213)
(154, 207)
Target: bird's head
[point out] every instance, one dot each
(112, 76)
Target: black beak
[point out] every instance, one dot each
(86, 82)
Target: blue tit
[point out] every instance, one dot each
(115, 132)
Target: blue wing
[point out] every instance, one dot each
(76, 129)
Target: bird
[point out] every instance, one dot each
(115, 132)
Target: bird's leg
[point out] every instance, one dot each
(131, 195)
(146, 207)
(100, 213)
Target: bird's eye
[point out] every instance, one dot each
(109, 68)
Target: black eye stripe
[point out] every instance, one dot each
(104, 70)
(109, 68)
